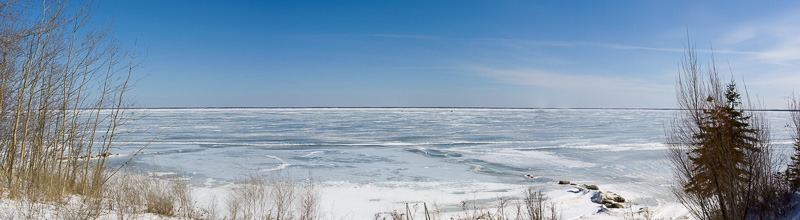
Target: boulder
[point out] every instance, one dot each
(592, 187)
(563, 182)
(597, 197)
(607, 198)
(615, 206)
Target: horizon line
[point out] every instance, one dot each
(429, 107)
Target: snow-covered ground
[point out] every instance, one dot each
(341, 200)
(344, 200)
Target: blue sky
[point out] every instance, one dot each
(448, 53)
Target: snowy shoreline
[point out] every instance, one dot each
(344, 200)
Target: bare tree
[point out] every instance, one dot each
(62, 97)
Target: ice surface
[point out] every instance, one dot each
(379, 158)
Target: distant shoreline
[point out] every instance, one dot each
(486, 108)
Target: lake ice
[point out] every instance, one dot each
(447, 154)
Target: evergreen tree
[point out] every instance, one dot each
(720, 155)
(792, 173)
(722, 143)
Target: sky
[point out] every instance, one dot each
(380, 53)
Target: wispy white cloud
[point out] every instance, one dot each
(549, 79)
(775, 39)
(613, 46)
(560, 89)
(784, 81)
(526, 43)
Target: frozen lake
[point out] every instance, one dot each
(443, 152)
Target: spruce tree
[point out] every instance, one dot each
(722, 143)
(793, 171)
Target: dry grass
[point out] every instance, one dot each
(126, 196)
(533, 206)
(160, 201)
(131, 194)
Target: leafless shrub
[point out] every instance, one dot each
(434, 212)
(309, 201)
(283, 191)
(537, 206)
(183, 197)
(502, 203)
(249, 200)
(80, 208)
(555, 213)
(276, 197)
(393, 215)
(234, 206)
(32, 210)
(212, 209)
(533, 206)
